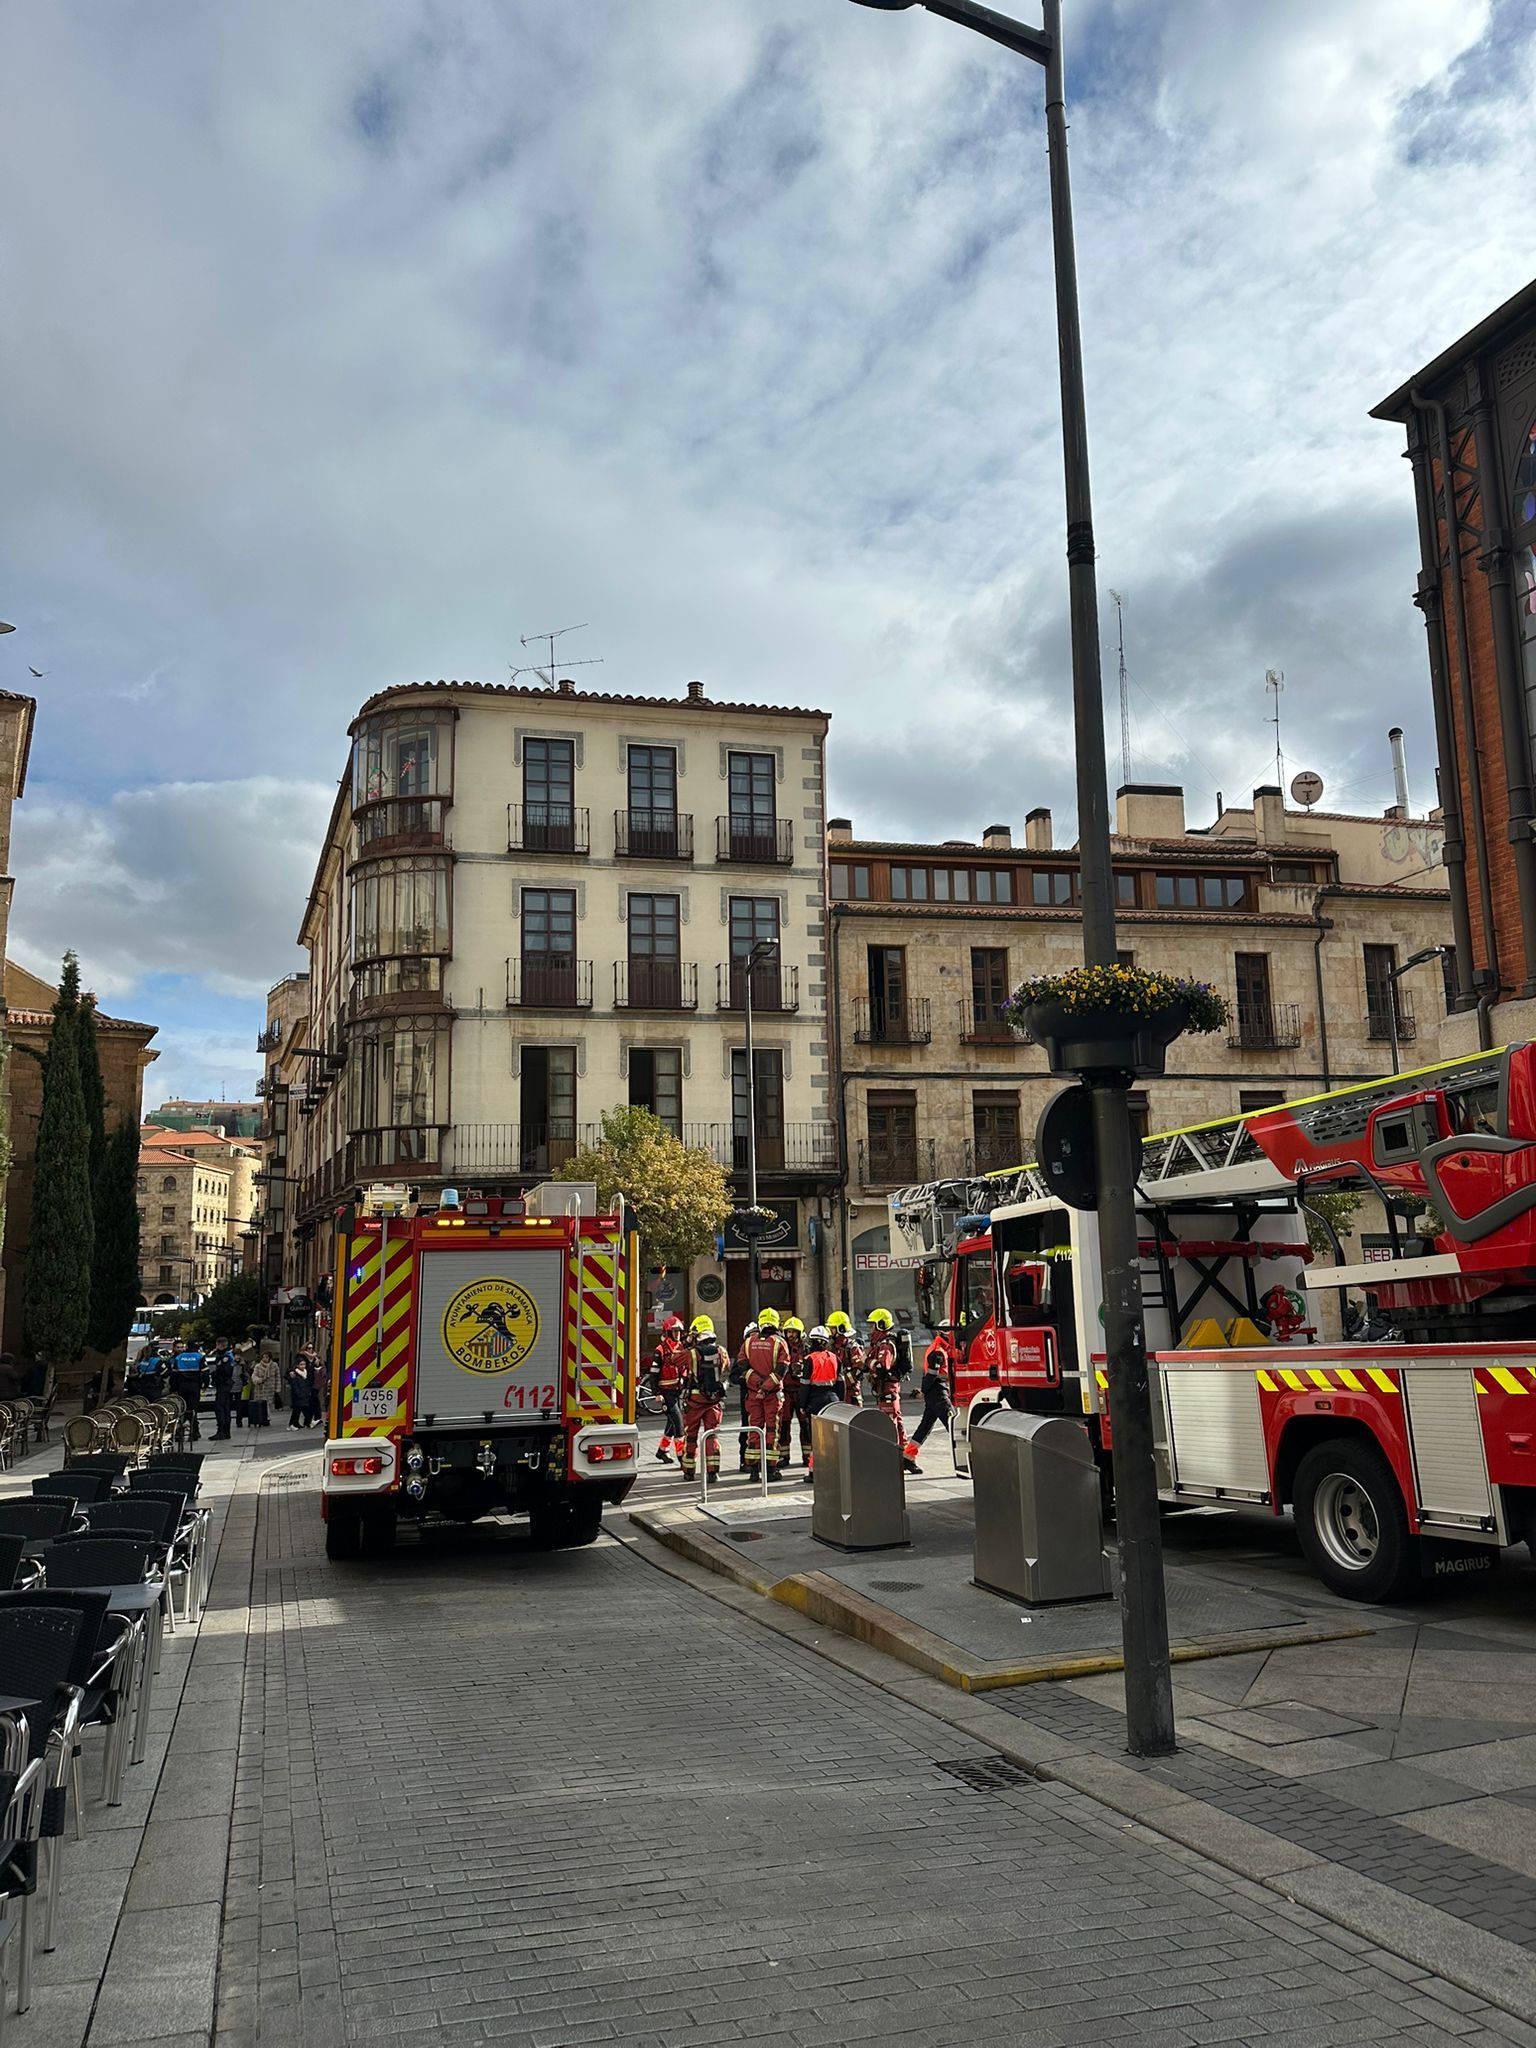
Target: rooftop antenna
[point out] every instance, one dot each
(1125, 696)
(547, 675)
(1274, 679)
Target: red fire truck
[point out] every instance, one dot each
(483, 1361)
(1409, 1451)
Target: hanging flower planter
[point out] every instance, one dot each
(1102, 1022)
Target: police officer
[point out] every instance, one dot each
(820, 1384)
(938, 1402)
(669, 1376)
(223, 1391)
(764, 1356)
(791, 1403)
(850, 1359)
(187, 1380)
(886, 1373)
(705, 1408)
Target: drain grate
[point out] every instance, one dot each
(987, 1773)
(895, 1585)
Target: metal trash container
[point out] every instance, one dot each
(1039, 1524)
(860, 1500)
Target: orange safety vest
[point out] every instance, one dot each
(824, 1369)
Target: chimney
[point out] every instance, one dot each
(997, 837)
(695, 693)
(566, 687)
(840, 831)
(1399, 770)
(1149, 810)
(1269, 815)
(1037, 830)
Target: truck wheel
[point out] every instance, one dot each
(549, 1524)
(1352, 1522)
(585, 1520)
(380, 1524)
(343, 1531)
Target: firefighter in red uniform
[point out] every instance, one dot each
(821, 1377)
(850, 1359)
(886, 1372)
(670, 1363)
(706, 1397)
(764, 1356)
(792, 1403)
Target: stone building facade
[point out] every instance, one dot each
(1297, 917)
(284, 1077)
(125, 1052)
(536, 905)
(183, 1222)
(1470, 417)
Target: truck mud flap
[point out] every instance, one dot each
(1441, 1562)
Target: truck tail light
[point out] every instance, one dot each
(356, 1468)
(601, 1454)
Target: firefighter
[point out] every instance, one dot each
(850, 1359)
(738, 1379)
(821, 1377)
(938, 1402)
(765, 1357)
(669, 1377)
(792, 1403)
(887, 1371)
(705, 1409)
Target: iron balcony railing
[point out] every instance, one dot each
(513, 1151)
(982, 1023)
(1264, 1027)
(774, 987)
(897, 1165)
(413, 820)
(759, 842)
(653, 835)
(549, 828)
(781, 1148)
(993, 1155)
(269, 1039)
(878, 1021)
(549, 981)
(646, 984)
(1378, 1020)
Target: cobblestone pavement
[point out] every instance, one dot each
(486, 1796)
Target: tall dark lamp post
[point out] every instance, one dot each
(1143, 1602)
(1394, 976)
(764, 951)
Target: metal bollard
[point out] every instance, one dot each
(741, 1429)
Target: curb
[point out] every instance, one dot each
(822, 1598)
(1481, 1964)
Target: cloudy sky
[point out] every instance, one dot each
(344, 345)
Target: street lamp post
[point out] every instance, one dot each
(1394, 976)
(1143, 1599)
(764, 951)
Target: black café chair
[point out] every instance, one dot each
(72, 1485)
(190, 1462)
(113, 1463)
(39, 1653)
(140, 1515)
(196, 1521)
(35, 1521)
(12, 1550)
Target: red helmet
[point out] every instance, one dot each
(672, 1324)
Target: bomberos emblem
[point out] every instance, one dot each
(490, 1325)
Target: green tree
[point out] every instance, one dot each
(92, 1092)
(239, 1300)
(1329, 1213)
(115, 1265)
(56, 1297)
(678, 1192)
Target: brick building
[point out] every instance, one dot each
(125, 1053)
(1470, 417)
(1297, 917)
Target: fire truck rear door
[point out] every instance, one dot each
(489, 1333)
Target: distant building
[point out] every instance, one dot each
(125, 1053)
(234, 1119)
(205, 1230)
(285, 1075)
(1470, 417)
(1296, 917)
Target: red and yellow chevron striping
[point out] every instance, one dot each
(594, 1336)
(378, 1325)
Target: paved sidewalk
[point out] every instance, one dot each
(491, 1796)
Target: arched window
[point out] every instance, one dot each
(168, 1185)
(1525, 568)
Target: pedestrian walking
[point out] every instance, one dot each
(187, 1381)
(765, 1357)
(669, 1378)
(938, 1400)
(264, 1378)
(821, 1387)
(300, 1392)
(223, 1392)
(705, 1407)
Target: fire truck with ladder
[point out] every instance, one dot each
(1407, 1453)
(482, 1361)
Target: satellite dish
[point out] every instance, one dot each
(1306, 787)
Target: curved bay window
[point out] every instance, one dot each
(401, 926)
(402, 775)
(397, 1092)
(1525, 569)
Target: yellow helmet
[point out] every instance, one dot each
(701, 1326)
(767, 1319)
(838, 1320)
(880, 1319)
(794, 1325)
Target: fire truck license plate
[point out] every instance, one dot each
(374, 1404)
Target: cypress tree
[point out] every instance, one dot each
(115, 1267)
(92, 1092)
(56, 1299)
